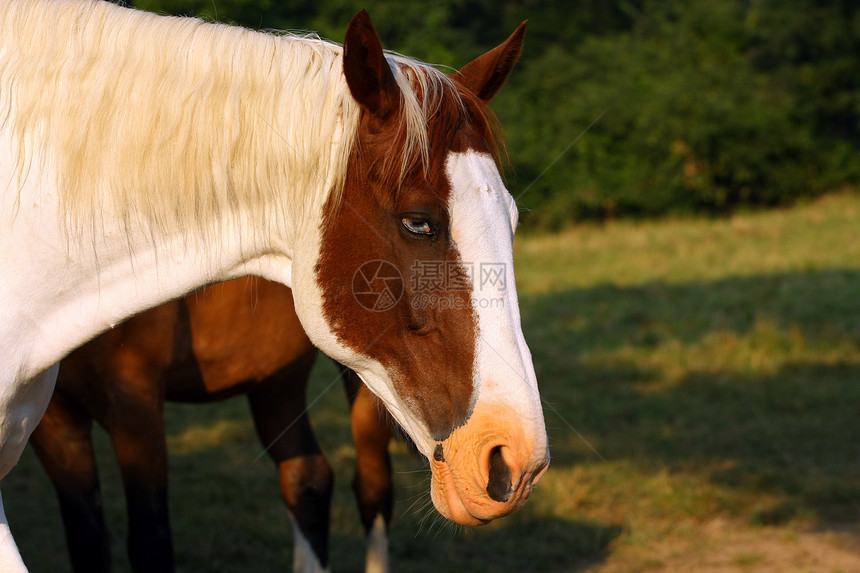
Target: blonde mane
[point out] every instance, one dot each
(175, 123)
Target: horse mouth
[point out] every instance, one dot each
(447, 499)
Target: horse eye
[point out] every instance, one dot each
(417, 226)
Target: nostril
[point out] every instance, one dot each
(499, 486)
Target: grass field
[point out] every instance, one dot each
(701, 381)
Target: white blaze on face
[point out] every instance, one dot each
(483, 220)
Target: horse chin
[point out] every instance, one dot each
(447, 500)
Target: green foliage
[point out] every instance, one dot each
(696, 106)
(703, 112)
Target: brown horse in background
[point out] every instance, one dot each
(241, 336)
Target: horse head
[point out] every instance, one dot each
(413, 284)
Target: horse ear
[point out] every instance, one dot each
(370, 80)
(485, 75)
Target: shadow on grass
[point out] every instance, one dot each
(227, 513)
(530, 544)
(820, 304)
(753, 383)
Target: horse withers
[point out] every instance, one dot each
(142, 157)
(242, 336)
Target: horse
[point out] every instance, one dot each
(242, 336)
(145, 156)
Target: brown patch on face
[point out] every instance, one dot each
(427, 340)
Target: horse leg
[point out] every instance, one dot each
(21, 407)
(371, 432)
(137, 430)
(10, 558)
(306, 478)
(63, 443)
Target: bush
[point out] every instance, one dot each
(691, 122)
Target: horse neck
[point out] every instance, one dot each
(153, 214)
(62, 291)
